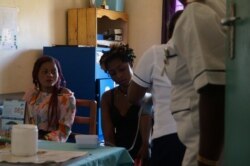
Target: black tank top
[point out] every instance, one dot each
(126, 127)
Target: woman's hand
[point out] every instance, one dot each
(143, 155)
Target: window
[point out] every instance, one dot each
(178, 6)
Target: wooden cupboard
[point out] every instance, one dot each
(84, 25)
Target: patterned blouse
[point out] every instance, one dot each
(37, 111)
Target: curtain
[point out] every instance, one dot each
(168, 9)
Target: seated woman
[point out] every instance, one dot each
(49, 104)
(122, 123)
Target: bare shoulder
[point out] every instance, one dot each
(106, 96)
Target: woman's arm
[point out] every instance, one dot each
(28, 118)
(212, 108)
(107, 126)
(29, 97)
(136, 94)
(145, 130)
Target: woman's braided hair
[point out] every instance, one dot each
(117, 51)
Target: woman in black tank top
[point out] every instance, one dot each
(120, 119)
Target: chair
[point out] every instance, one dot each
(90, 120)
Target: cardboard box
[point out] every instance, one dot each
(118, 38)
(12, 113)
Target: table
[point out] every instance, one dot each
(101, 156)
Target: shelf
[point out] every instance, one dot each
(113, 15)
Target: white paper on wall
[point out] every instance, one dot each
(8, 28)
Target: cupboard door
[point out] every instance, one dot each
(91, 26)
(81, 27)
(72, 27)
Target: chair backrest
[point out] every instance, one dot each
(91, 119)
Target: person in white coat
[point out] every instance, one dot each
(199, 40)
(150, 74)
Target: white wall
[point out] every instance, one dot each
(144, 24)
(43, 23)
